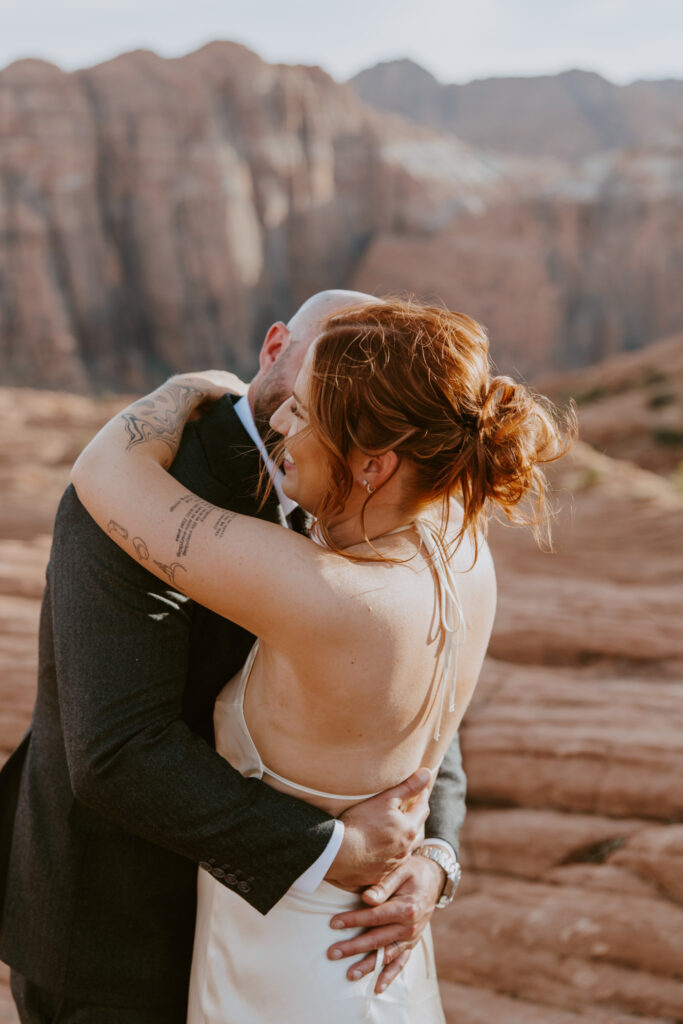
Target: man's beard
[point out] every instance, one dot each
(274, 389)
(269, 397)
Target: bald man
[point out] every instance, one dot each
(116, 793)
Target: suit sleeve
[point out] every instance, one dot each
(121, 649)
(447, 801)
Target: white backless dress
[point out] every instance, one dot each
(248, 968)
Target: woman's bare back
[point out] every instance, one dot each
(357, 716)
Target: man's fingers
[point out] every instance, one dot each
(368, 917)
(368, 941)
(395, 959)
(361, 967)
(392, 970)
(390, 884)
(410, 787)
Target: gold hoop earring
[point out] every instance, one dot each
(368, 487)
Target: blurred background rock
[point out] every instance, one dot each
(156, 214)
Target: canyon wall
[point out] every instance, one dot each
(157, 215)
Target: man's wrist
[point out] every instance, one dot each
(315, 874)
(443, 843)
(441, 852)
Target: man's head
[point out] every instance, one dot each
(285, 346)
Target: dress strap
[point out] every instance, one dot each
(379, 964)
(451, 616)
(317, 792)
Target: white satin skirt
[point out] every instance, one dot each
(251, 969)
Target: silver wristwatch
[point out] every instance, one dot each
(452, 870)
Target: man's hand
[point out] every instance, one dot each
(381, 832)
(402, 907)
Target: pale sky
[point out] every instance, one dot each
(457, 40)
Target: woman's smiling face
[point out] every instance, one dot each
(306, 465)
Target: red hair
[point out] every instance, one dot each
(416, 379)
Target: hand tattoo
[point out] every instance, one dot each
(113, 527)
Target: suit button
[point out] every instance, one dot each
(231, 879)
(218, 872)
(205, 864)
(244, 887)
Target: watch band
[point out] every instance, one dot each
(450, 866)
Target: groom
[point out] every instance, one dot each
(116, 793)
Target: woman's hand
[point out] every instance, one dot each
(153, 426)
(216, 383)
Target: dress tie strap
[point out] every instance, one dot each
(451, 617)
(379, 964)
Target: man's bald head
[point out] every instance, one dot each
(307, 323)
(285, 346)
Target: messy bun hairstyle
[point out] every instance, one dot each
(416, 379)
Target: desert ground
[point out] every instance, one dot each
(570, 910)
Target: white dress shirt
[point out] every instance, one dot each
(314, 875)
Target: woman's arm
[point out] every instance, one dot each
(247, 570)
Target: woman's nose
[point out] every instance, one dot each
(278, 420)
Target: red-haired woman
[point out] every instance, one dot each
(399, 442)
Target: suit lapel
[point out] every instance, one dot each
(233, 458)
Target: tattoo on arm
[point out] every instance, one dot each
(171, 572)
(197, 512)
(141, 549)
(222, 523)
(163, 416)
(114, 527)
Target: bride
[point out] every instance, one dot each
(371, 634)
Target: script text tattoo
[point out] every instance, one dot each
(195, 512)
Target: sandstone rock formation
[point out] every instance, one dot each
(161, 213)
(158, 214)
(560, 279)
(571, 906)
(631, 405)
(572, 114)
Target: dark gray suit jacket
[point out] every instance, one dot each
(116, 794)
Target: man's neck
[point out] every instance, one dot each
(245, 414)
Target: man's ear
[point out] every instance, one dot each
(275, 342)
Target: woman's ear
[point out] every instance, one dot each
(375, 470)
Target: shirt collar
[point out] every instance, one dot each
(246, 418)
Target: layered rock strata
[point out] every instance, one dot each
(571, 906)
(157, 215)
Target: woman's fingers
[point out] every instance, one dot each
(217, 382)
